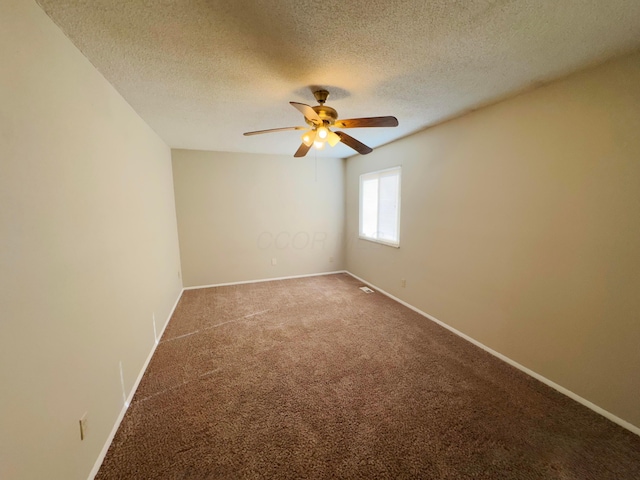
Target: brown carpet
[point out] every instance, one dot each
(312, 378)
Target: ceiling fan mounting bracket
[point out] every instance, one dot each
(321, 96)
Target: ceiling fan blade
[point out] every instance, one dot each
(302, 151)
(358, 146)
(308, 112)
(258, 132)
(367, 122)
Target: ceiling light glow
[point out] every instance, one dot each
(309, 137)
(323, 132)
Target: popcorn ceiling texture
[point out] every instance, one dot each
(202, 72)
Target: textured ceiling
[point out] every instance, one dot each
(202, 72)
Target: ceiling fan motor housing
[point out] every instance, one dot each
(326, 113)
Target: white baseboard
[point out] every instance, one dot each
(265, 280)
(623, 423)
(103, 453)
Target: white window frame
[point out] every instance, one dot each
(378, 174)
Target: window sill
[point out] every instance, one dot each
(381, 242)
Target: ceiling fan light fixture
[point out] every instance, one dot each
(309, 137)
(318, 144)
(333, 138)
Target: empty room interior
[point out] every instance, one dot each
(196, 195)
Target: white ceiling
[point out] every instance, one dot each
(202, 72)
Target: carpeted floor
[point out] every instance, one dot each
(312, 378)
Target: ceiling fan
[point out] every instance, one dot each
(319, 120)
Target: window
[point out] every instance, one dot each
(380, 206)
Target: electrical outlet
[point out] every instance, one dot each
(274, 261)
(403, 283)
(83, 426)
(330, 259)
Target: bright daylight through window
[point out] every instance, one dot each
(380, 206)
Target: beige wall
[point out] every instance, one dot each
(236, 212)
(88, 249)
(521, 228)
